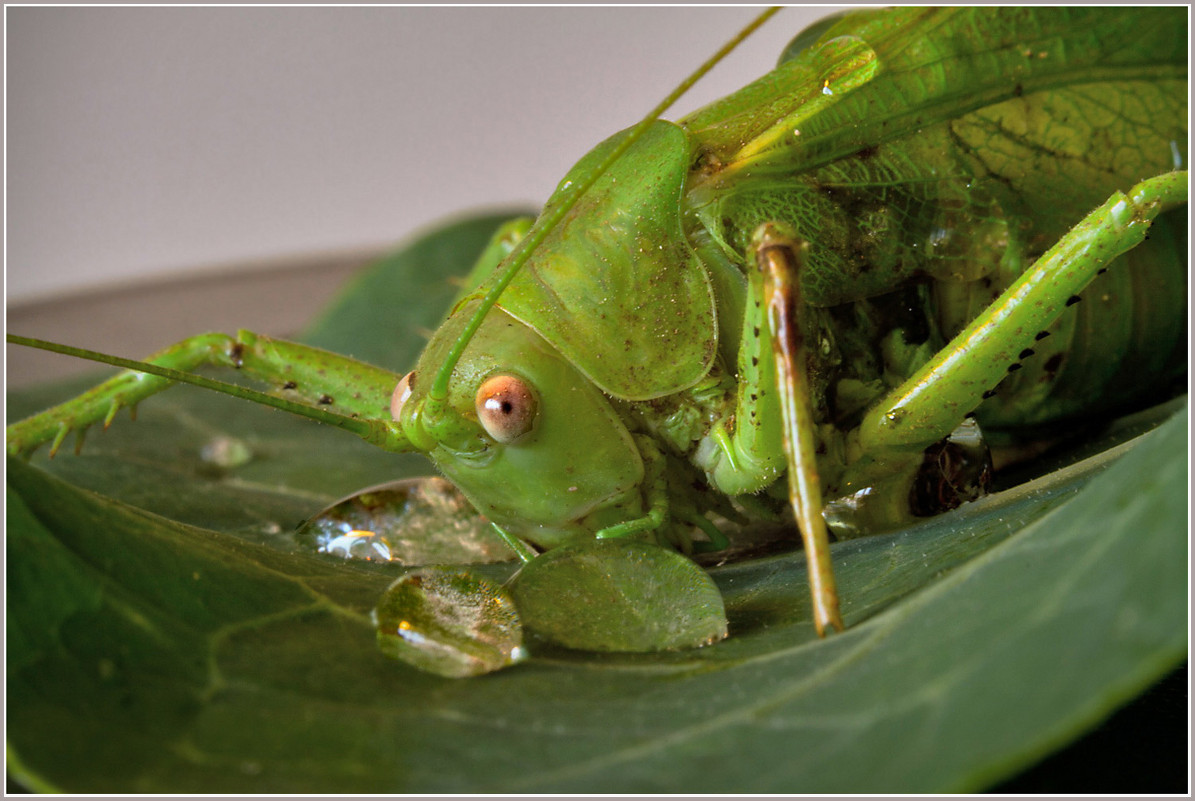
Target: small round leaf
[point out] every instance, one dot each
(621, 596)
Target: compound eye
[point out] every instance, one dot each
(506, 407)
(401, 393)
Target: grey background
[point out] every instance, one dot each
(142, 140)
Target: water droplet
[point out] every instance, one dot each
(412, 522)
(450, 622)
(225, 452)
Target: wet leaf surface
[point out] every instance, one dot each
(149, 656)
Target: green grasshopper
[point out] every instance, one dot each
(800, 300)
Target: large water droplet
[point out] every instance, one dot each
(412, 522)
(450, 622)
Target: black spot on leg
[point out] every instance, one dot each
(1026, 353)
(326, 400)
(1041, 335)
(237, 354)
(1072, 300)
(991, 393)
(289, 385)
(1012, 368)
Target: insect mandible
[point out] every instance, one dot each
(795, 297)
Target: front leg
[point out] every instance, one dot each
(305, 380)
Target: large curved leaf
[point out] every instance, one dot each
(166, 634)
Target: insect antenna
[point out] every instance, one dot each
(523, 250)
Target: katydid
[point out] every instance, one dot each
(803, 300)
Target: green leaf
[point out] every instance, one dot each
(621, 596)
(149, 656)
(166, 633)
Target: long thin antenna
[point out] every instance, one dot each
(527, 246)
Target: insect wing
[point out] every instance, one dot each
(953, 143)
(925, 66)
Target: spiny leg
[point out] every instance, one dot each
(955, 381)
(777, 257)
(307, 381)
